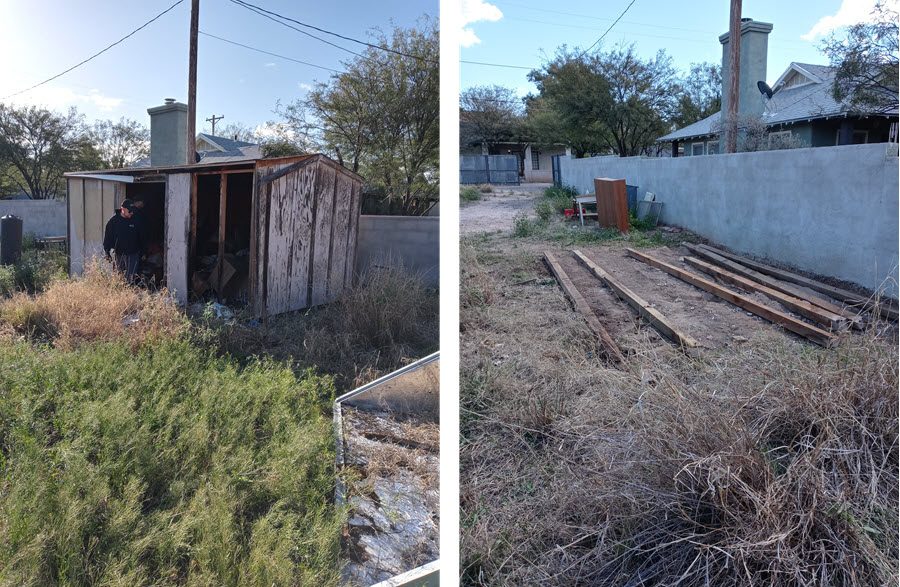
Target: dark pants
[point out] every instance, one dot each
(128, 264)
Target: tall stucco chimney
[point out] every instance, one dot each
(754, 54)
(168, 126)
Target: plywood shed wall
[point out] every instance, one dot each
(91, 203)
(303, 227)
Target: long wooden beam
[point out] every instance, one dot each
(852, 318)
(582, 307)
(223, 207)
(816, 335)
(802, 307)
(887, 308)
(641, 306)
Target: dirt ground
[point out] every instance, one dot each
(534, 388)
(496, 210)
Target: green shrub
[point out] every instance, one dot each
(469, 194)
(545, 210)
(165, 466)
(560, 197)
(523, 226)
(34, 271)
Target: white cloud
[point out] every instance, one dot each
(850, 12)
(269, 65)
(60, 98)
(476, 11)
(304, 86)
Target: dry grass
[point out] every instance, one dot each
(386, 321)
(99, 307)
(768, 463)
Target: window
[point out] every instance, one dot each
(779, 138)
(535, 159)
(860, 137)
(712, 148)
(698, 149)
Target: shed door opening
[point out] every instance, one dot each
(150, 199)
(220, 238)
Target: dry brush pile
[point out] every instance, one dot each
(767, 463)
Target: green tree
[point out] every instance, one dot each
(699, 94)
(38, 146)
(381, 117)
(121, 143)
(489, 114)
(606, 101)
(866, 60)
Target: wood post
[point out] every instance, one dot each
(223, 207)
(191, 147)
(734, 71)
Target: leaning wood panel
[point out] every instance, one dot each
(305, 182)
(109, 201)
(612, 203)
(812, 333)
(582, 307)
(352, 235)
(263, 203)
(652, 315)
(178, 220)
(337, 272)
(773, 283)
(76, 222)
(322, 236)
(888, 308)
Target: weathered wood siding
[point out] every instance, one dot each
(178, 217)
(305, 223)
(76, 226)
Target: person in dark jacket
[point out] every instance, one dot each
(125, 238)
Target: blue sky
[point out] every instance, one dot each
(40, 38)
(523, 32)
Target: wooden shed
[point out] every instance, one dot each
(275, 234)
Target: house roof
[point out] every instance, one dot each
(226, 151)
(809, 99)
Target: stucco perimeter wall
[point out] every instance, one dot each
(39, 217)
(413, 240)
(828, 210)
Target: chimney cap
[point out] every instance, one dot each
(170, 100)
(749, 25)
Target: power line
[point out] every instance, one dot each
(270, 53)
(102, 51)
(260, 10)
(630, 4)
(495, 64)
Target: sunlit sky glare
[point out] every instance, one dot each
(40, 38)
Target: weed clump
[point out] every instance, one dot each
(469, 194)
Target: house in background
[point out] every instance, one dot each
(535, 161)
(802, 107)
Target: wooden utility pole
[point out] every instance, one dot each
(734, 63)
(212, 120)
(191, 147)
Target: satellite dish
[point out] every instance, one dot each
(764, 89)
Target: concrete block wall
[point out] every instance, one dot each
(828, 210)
(41, 218)
(414, 240)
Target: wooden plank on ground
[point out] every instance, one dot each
(852, 318)
(816, 335)
(802, 307)
(887, 308)
(641, 306)
(582, 307)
